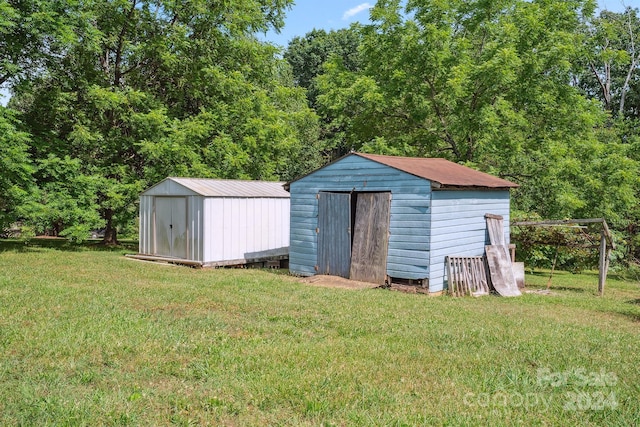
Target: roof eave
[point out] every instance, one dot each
(441, 187)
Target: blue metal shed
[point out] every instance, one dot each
(374, 218)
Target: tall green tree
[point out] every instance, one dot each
(437, 74)
(30, 32)
(490, 85)
(147, 89)
(32, 36)
(307, 56)
(610, 70)
(15, 167)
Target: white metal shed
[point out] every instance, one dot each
(214, 222)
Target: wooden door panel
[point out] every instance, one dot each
(371, 238)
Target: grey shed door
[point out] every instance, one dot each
(371, 238)
(334, 234)
(171, 227)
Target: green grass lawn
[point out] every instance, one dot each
(88, 337)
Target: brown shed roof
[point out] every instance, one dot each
(441, 171)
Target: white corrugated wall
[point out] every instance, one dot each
(195, 244)
(145, 239)
(234, 228)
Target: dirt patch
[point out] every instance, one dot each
(337, 282)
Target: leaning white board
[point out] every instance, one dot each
(501, 271)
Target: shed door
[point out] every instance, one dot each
(171, 227)
(334, 234)
(371, 238)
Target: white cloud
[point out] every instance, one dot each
(355, 10)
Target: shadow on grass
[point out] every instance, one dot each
(537, 273)
(567, 288)
(633, 316)
(30, 245)
(631, 313)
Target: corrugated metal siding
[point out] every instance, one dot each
(145, 238)
(195, 206)
(458, 226)
(217, 188)
(409, 222)
(147, 244)
(171, 228)
(235, 227)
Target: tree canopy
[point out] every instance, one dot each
(146, 89)
(111, 96)
(611, 63)
(492, 85)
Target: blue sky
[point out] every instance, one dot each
(325, 14)
(334, 14)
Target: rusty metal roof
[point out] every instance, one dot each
(441, 171)
(232, 188)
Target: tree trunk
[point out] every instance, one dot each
(110, 231)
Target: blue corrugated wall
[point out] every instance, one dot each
(458, 226)
(408, 255)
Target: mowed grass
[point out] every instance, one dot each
(88, 337)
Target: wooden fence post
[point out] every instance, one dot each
(603, 266)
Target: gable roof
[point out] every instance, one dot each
(227, 187)
(440, 171)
